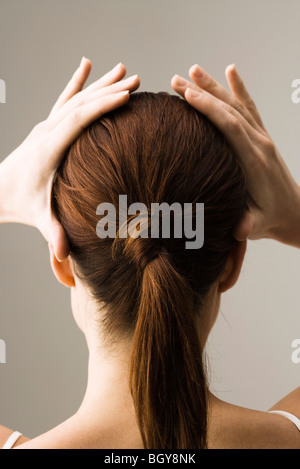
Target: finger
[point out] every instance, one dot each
(75, 84)
(250, 226)
(204, 81)
(180, 85)
(240, 92)
(235, 128)
(73, 124)
(58, 240)
(244, 228)
(54, 234)
(130, 84)
(243, 139)
(208, 83)
(114, 75)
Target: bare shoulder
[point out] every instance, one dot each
(290, 403)
(5, 433)
(234, 427)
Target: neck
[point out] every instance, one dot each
(108, 378)
(107, 410)
(108, 372)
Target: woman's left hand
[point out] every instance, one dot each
(27, 174)
(275, 212)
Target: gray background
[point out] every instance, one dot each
(42, 42)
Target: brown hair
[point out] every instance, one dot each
(156, 148)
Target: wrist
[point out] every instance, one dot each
(7, 191)
(3, 197)
(288, 232)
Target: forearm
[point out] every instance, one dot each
(7, 192)
(4, 190)
(288, 229)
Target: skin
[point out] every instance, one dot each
(26, 177)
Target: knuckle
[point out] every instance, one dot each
(76, 116)
(78, 99)
(233, 125)
(240, 108)
(269, 146)
(211, 85)
(250, 104)
(40, 126)
(39, 129)
(258, 159)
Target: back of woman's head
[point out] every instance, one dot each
(156, 149)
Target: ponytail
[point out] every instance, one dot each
(158, 149)
(167, 377)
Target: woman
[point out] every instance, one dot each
(147, 305)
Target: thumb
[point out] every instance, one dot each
(58, 240)
(56, 236)
(245, 227)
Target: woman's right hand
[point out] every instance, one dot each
(276, 210)
(27, 174)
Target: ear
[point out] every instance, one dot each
(233, 267)
(62, 270)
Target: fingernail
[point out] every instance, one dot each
(231, 67)
(132, 78)
(192, 93)
(180, 81)
(117, 66)
(57, 258)
(197, 71)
